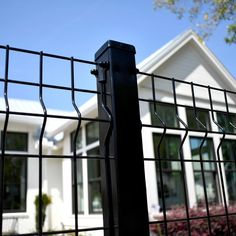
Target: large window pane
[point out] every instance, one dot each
(166, 112)
(15, 173)
(92, 132)
(94, 183)
(229, 154)
(209, 169)
(14, 187)
(171, 170)
(203, 117)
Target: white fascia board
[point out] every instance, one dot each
(155, 60)
(218, 65)
(34, 121)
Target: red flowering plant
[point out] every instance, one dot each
(177, 224)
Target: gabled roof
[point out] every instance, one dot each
(155, 60)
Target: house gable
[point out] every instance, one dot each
(191, 65)
(185, 58)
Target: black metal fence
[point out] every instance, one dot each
(193, 156)
(209, 215)
(44, 114)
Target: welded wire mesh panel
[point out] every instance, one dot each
(50, 178)
(189, 140)
(70, 167)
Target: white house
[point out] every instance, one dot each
(185, 58)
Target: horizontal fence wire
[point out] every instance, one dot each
(45, 115)
(167, 221)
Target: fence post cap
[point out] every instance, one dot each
(116, 45)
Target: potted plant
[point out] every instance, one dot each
(45, 201)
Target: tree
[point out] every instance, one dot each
(206, 14)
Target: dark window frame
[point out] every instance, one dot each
(10, 152)
(168, 171)
(213, 171)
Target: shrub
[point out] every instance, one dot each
(198, 222)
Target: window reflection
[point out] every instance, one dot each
(166, 113)
(171, 170)
(203, 117)
(209, 169)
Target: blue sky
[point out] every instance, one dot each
(78, 28)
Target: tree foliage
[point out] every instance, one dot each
(205, 14)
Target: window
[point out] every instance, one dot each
(171, 170)
(202, 115)
(229, 155)
(209, 170)
(94, 183)
(15, 173)
(80, 193)
(167, 114)
(92, 132)
(224, 121)
(78, 140)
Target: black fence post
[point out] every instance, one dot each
(124, 189)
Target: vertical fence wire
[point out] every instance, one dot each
(40, 206)
(218, 158)
(74, 159)
(159, 153)
(3, 136)
(201, 159)
(183, 173)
